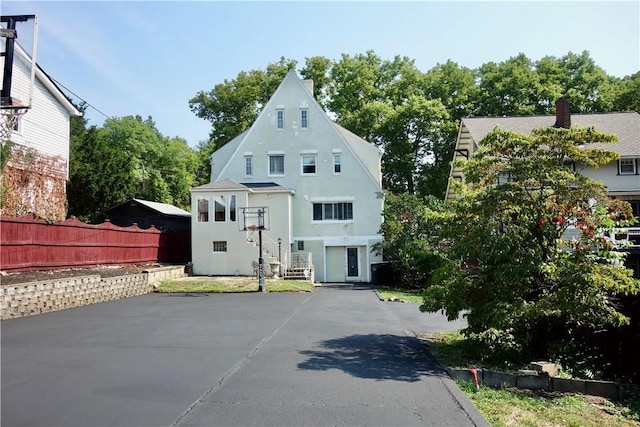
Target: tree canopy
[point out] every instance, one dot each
(126, 158)
(526, 288)
(413, 115)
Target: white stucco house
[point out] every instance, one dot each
(37, 171)
(621, 177)
(320, 183)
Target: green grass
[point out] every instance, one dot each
(231, 285)
(510, 407)
(399, 295)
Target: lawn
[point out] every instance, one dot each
(206, 284)
(507, 407)
(398, 295)
(514, 407)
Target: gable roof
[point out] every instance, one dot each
(161, 208)
(625, 125)
(354, 143)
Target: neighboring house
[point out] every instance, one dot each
(145, 214)
(38, 168)
(621, 177)
(320, 183)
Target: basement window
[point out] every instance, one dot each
(220, 246)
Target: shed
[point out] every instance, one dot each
(163, 216)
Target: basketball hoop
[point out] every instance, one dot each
(9, 117)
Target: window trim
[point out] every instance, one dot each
(337, 164)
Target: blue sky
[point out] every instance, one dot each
(150, 57)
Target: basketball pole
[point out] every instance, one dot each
(260, 264)
(261, 287)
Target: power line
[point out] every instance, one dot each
(80, 98)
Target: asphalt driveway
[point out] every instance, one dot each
(336, 357)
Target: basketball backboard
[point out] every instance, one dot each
(253, 218)
(18, 48)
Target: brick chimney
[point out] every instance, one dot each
(563, 113)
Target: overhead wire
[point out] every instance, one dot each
(87, 103)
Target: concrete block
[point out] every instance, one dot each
(532, 382)
(464, 374)
(548, 367)
(606, 389)
(498, 379)
(567, 385)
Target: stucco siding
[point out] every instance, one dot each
(279, 131)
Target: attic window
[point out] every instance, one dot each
(627, 167)
(280, 118)
(304, 118)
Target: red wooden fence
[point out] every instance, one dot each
(28, 244)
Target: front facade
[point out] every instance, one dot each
(38, 168)
(621, 177)
(320, 185)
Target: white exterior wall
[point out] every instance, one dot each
(240, 251)
(45, 126)
(614, 182)
(358, 182)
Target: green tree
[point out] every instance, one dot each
(411, 238)
(232, 106)
(628, 94)
(127, 157)
(509, 88)
(527, 290)
(578, 76)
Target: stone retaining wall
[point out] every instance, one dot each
(26, 299)
(537, 381)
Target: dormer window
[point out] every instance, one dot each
(280, 118)
(627, 166)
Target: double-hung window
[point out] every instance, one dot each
(248, 165)
(280, 118)
(276, 164)
(304, 118)
(337, 163)
(309, 164)
(627, 166)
